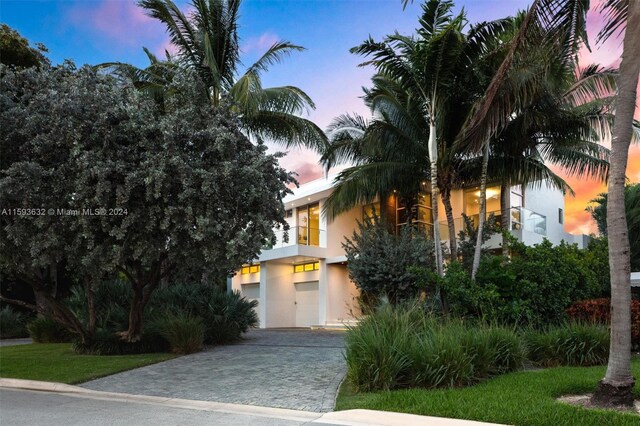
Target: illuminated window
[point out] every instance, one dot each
(250, 269)
(370, 210)
(306, 267)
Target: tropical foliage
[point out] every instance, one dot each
(207, 44)
(133, 190)
(598, 210)
(381, 263)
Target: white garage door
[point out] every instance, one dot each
(251, 291)
(307, 309)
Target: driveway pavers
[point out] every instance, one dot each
(296, 369)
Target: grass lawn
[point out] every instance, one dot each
(522, 398)
(56, 362)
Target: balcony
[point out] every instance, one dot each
(520, 218)
(298, 235)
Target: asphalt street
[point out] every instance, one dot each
(29, 408)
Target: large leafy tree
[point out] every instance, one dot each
(179, 191)
(206, 39)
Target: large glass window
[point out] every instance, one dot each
(472, 203)
(309, 225)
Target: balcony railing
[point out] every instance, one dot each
(297, 235)
(520, 218)
(528, 220)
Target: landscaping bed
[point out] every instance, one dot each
(57, 362)
(521, 398)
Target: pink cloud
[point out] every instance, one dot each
(259, 44)
(119, 24)
(168, 46)
(120, 21)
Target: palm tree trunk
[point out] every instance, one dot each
(505, 212)
(616, 387)
(446, 201)
(433, 157)
(483, 210)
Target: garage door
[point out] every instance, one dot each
(307, 308)
(251, 291)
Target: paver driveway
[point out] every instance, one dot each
(297, 369)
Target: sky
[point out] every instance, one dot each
(96, 31)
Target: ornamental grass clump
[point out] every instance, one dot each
(185, 333)
(377, 350)
(47, 330)
(405, 346)
(570, 344)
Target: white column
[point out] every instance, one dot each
(323, 293)
(262, 306)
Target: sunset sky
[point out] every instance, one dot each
(95, 31)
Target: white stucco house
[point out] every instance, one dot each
(303, 281)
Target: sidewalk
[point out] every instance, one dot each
(268, 414)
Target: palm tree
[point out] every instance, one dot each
(632, 212)
(431, 68)
(616, 387)
(559, 127)
(207, 45)
(559, 115)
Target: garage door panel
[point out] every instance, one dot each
(307, 309)
(251, 291)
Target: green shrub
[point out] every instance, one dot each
(510, 352)
(442, 358)
(106, 342)
(225, 316)
(46, 330)
(380, 263)
(570, 344)
(111, 301)
(404, 346)
(535, 286)
(12, 323)
(377, 350)
(184, 333)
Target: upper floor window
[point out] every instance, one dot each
(309, 225)
(560, 216)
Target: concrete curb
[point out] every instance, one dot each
(347, 417)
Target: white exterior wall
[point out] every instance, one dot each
(236, 285)
(342, 304)
(545, 200)
(341, 227)
(277, 295)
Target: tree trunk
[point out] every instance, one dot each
(483, 210)
(505, 213)
(134, 332)
(446, 200)
(60, 313)
(616, 387)
(433, 157)
(91, 309)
